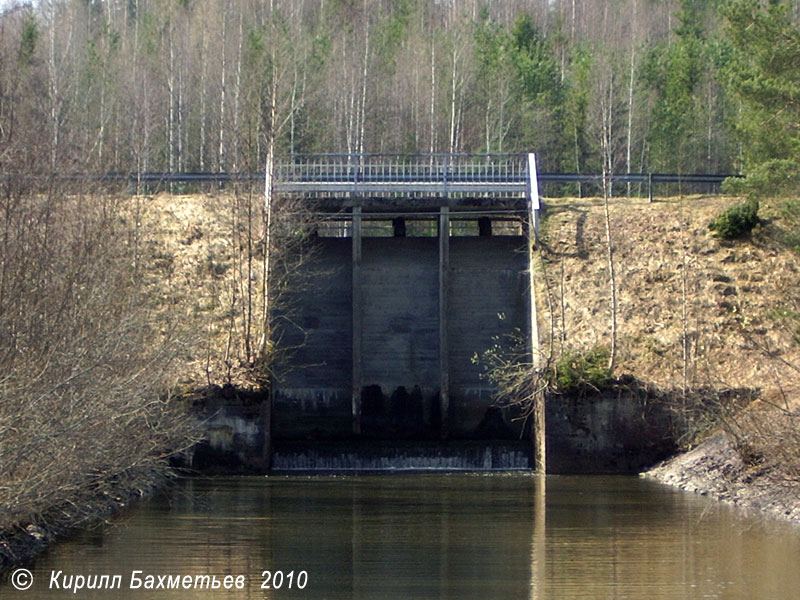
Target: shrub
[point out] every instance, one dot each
(508, 367)
(736, 221)
(87, 360)
(582, 372)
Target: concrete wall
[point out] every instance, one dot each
(235, 436)
(487, 300)
(623, 431)
(617, 432)
(401, 374)
(400, 298)
(313, 379)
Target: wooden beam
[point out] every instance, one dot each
(358, 320)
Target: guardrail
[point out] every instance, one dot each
(333, 175)
(564, 178)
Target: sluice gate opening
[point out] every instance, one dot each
(421, 265)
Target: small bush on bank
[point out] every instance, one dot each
(587, 371)
(736, 221)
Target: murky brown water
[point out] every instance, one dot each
(434, 536)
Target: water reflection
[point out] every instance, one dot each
(439, 536)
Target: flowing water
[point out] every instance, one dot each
(408, 536)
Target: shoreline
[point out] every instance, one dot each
(23, 544)
(715, 468)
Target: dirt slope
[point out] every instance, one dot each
(188, 244)
(675, 283)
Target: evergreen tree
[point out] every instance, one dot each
(541, 97)
(763, 74)
(673, 70)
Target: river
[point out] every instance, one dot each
(410, 536)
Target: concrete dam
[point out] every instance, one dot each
(420, 264)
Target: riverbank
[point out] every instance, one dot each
(21, 544)
(751, 460)
(715, 468)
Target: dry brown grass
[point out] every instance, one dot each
(767, 434)
(206, 261)
(730, 291)
(696, 315)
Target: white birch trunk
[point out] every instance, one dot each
(433, 98)
(203, 98)
(222, 99)
(364, 74)
(172, 101)
(54, 86)
(453, 104)
(267, 212)
(629, 140)
(237, 90)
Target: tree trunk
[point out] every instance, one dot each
(203, 98)
(237, 92)
(223, 85)
(433, 98)
(363, 109)
(172, 101)
(453, 104)
(611, 274)
(608, 165)
(267, 212)
(629, 141)
(54, 87)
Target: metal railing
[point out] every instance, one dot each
(403, 174)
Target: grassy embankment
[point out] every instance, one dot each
(111, 308)
(696, 315)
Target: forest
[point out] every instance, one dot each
(129, 86)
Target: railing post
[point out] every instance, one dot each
(533, 195)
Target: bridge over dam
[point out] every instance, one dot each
(420, 264)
